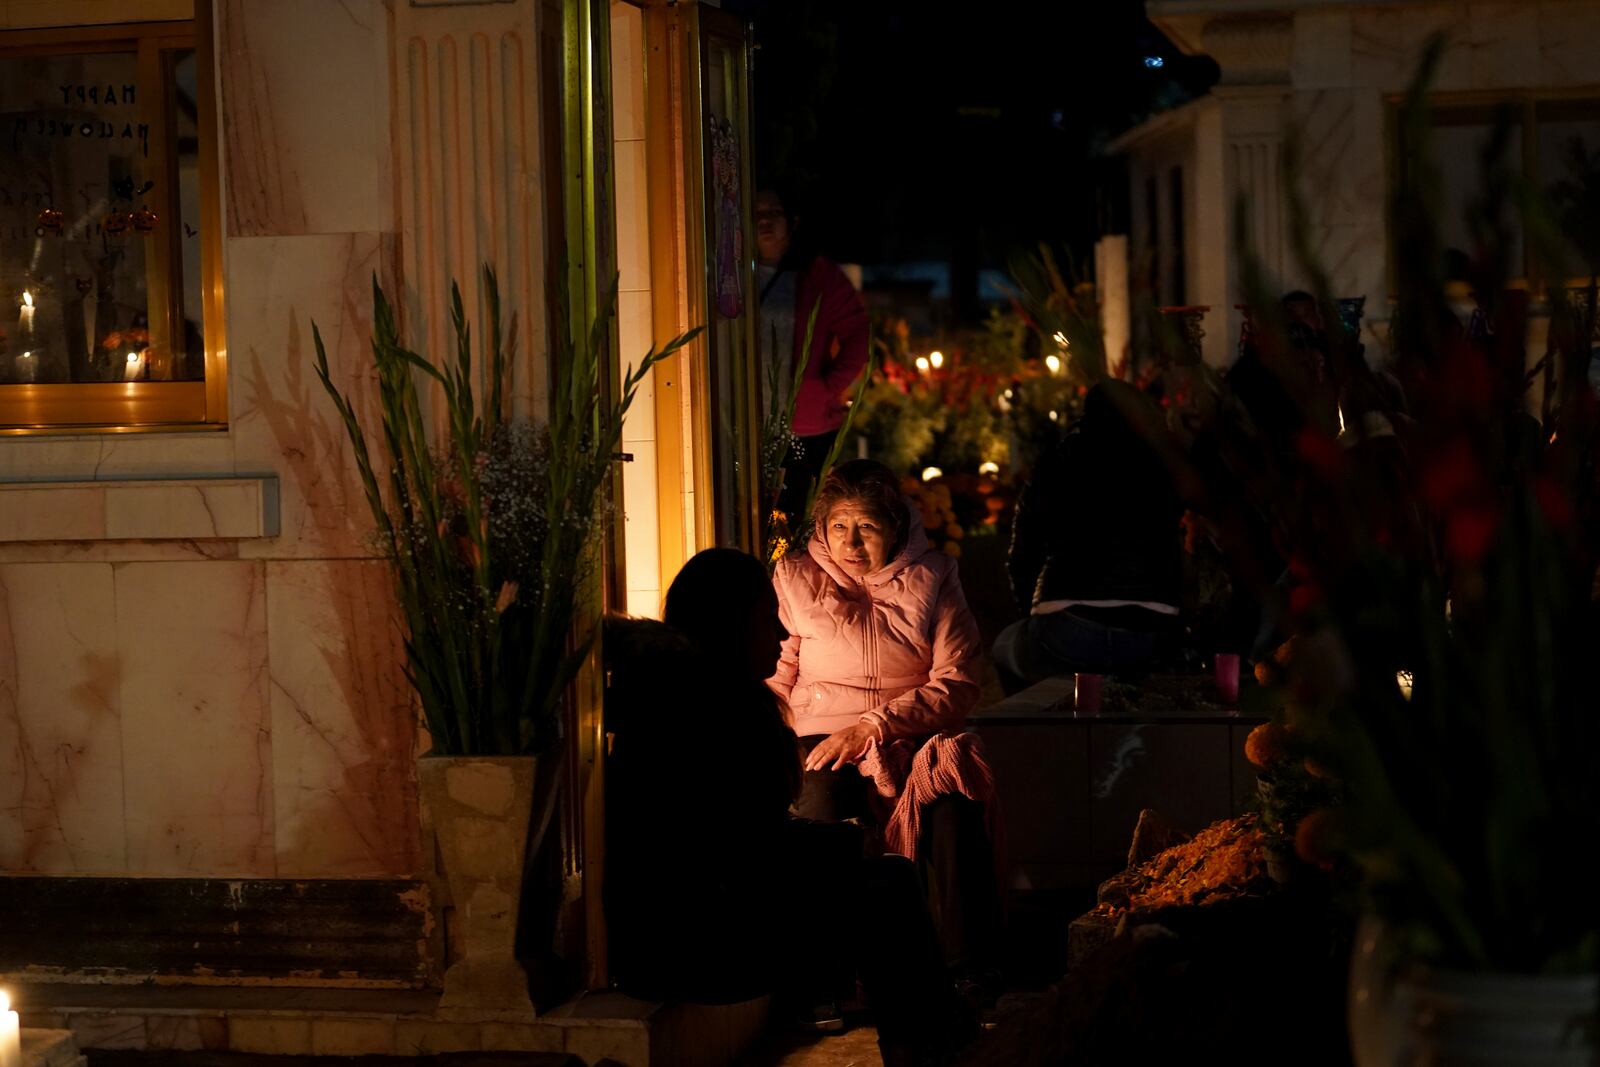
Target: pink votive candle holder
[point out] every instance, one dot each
(1086, 693)
(1225, 666)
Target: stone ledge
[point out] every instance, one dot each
(50, 1048)
(365, 1022)
(186, 509)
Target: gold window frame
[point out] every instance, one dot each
(132, 407)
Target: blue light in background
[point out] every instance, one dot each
(1154, 62)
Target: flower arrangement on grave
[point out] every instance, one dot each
(1441, 552)
(1295, 796)
(934, 508)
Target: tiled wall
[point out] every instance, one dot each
(234, 707)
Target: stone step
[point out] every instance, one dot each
(361, 1022)
(50, 1048)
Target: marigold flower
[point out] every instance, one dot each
(1267, 746)
(1316, 838)
(953, 529)
(952, 549)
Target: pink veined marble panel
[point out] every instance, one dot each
(1569, 41)
(343, 727)
(305, 116)
(61, 789)
(1327, 166)
(1504, 42)
(1320, 58)
(264, 195)
(282, 419)
(196, 726)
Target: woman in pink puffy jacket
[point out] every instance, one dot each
(882, 647)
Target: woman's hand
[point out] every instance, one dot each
(841, 748)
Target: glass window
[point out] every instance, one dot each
(102, 265)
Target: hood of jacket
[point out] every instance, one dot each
(897, 648)
(914, 549)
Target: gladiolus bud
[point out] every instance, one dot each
(508, 593)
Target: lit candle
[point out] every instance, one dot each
(27, 367)
(937, 359)
(1053, 361)
(25, 319)
(10, 1034)
(922, 364)
(135, 365)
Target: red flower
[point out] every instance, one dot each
(1321, 452)
(1470, 377)
(1303, 596)
(1469, 531)
(1450, 474)
(1553, 501)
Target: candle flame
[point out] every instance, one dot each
(922, 364)
(27, 299)
(937, 359)
(1053, 361)
(133, 357)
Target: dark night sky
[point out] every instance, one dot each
(932, 131)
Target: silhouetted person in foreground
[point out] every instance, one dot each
(714, 893)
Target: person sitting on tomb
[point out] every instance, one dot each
(714, 893)
(881, 670)
(1095, 561)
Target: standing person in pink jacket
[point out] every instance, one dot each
(791, 279)
(883, 648)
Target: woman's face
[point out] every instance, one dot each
(858, 538)
(764, 637)
(772, 228)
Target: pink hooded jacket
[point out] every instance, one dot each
(898, 648)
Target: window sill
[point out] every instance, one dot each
(180, 509)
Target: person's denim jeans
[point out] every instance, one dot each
(1041, 646)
